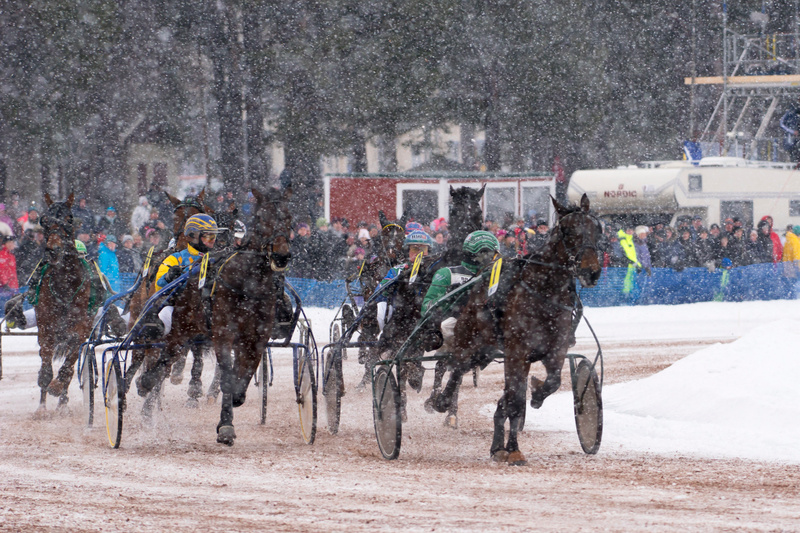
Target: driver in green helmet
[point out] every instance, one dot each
(480, 249)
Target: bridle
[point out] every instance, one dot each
(575, 253)
(266, 248)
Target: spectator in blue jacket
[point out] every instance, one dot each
(109, 265)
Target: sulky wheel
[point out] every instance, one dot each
(333, 388)
(306, 389)
(386, 413)
(263, 382)
(336, 334)
(114, 398)
(87, 385)
(588, 405)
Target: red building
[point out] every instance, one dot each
(425, 195)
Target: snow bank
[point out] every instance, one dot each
(727, 400)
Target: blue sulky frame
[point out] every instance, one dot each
(586, 384)
(114, 361)
(334, 353)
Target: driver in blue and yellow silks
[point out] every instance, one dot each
(201, 231)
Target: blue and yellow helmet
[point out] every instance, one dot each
(198, 224)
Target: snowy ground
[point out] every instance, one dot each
(701, 433)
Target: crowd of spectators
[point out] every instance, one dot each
(119, 245)
(337, 250)
(692, 244)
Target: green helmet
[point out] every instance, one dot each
(80, 246)
(478, 241)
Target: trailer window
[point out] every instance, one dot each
(794, 208)
(741, 210)
(536, 203)
(500, 204)
(421, 205)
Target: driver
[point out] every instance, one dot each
(417, 242)
(480, 249)
(201, 231)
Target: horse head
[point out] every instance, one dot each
(59, 227)
(272, 224)
(183, 209)
(466, 214)
(579, 233)
(392, 237)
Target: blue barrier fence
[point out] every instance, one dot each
(664, 286)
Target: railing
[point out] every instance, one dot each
(663, 287)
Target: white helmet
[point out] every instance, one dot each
(239, 229)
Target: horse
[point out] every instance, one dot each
(389, 252)
(466, 216)
(63, 297)
(531, 317)
(182, 210)
(244, 302)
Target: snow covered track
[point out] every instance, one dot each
(56, 474)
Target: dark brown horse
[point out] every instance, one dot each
(63, 313)
(245, 299)
(530, 317)
(182, 210)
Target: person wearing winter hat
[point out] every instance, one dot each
(791, 252)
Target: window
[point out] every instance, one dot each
(695, 183)
(421, 204)
(794, 208)
(500, 204)
(742, 210)
(536, 203)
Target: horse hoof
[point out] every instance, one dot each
(516, 459)
(451, 421)
(211, 399)
(176, 379)
(192, 403)
(500, 456)
(41, 413)
(56, 388)
(429, 405)
(195, 389)
(536, 402)
(226, 435)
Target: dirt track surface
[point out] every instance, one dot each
(57, 475)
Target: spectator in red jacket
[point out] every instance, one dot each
(8, 265)
(777, 247)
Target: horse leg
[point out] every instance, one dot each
(195, 383)
(225, 432)
(176, 375)
(451, 420)
(498, 450)
(542, 389)
(402, 379)
(156, 373)
(60, 385)
(438, 376)
(45, 376)
(516, 390)
(65, 374)
(444, 400)
(246, 367)
(213, 389)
